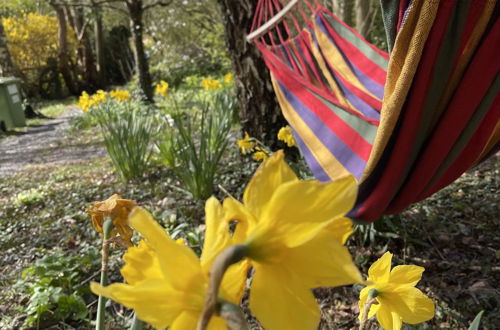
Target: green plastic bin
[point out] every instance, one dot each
(11, 107)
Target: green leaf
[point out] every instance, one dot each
(475, 323)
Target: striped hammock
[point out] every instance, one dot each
(405, 124)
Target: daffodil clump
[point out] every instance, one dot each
(228, 78)
(261, 152)
(120, 95)
(285, 134)
(394, 298)
(247, 144)
(210, 84)
(162, 88)
(87, 102)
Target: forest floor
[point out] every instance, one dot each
(46, 188)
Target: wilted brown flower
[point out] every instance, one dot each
(118, 210)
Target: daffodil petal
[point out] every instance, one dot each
(379, 271)
(410, 303)
(279, 300)
(235, 211)
(234, 282)
(300, 209)
(387, 319)
(272, 173)
(141, 263)
(154, 301)
(323, 261)
(216, 233)
(340, 229)
(178, 262)
(187, 320)
(406, 274)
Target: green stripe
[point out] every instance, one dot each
(363, 128)
(469, 130)
(360, 44)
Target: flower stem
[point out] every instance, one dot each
(234, 316)
(366, 308)
(137, 324)
(226, 258)
(106, 229)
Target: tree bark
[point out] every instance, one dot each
(363, 17)
(99, 46)
(64, 66)
(260, 115)
(136, 11)
(85, 53)
(6, 66)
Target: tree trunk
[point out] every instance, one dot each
(63, 50)
(85, 53)
(363, 17)
(99, 46)
(136, 11)
(259, 112)
(6, 66)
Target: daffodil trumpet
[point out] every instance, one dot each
(107, 226)
(230, 256)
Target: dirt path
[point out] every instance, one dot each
(45, 144)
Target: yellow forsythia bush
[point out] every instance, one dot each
(32, 39)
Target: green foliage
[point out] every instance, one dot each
(128, 128)
(194, 145)
(29, 197)
(186, 38)
(57, 286)
(477, 320)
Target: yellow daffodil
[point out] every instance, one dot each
(294, 233)
(118, 210)
(166, 282)
(260, 156)
(84, 102)
(99, 97)
(162, 88)
(246, 144)
(228, 78)
(209, 83)
(285, 135)
(120, 95)
(397, 299)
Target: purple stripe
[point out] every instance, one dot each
(311, 161)
(336, 146)
(357, 102)
(371, 85)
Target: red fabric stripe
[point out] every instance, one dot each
(471, 152)
(344, 132)
(363, 63)
(374, 206)
(474, 85)
(325, 10)
(278, 67)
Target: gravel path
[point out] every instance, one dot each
(45, 144)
